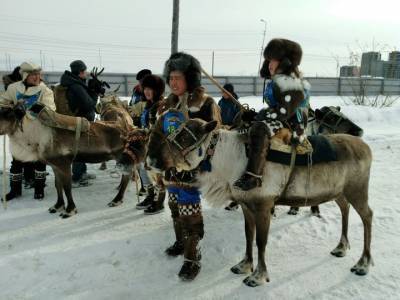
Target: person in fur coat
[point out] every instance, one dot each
(183, 75)
(287, 97)
(28, 91)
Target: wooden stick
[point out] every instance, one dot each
(4, 173)
(218, 85)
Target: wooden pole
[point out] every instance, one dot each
(218, 85)
(4, 173)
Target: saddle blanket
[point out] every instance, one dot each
(323, 151)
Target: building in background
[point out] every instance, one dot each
(349, 71)
(393, 68)
(372, 65)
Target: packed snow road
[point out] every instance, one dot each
(117, 253)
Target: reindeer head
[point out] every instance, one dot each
(135, 149)
(331, 120)
(95, 84)
(177, 142)
(10, 116)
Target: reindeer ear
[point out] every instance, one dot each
(318, 114)
(338, 108)
(210, 126)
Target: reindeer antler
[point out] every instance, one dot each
(99, 73)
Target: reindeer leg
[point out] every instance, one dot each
(66, 183)
(315, 211)
(360, 203)
(59, 206)
(245, 266)
(118, 199)
(343, 245)
(262, 213)
(293, 210)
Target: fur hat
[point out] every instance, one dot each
(288, 52)
(155, 83)
(28, 68)
(77, 66)
(188, 65)
(142, 73)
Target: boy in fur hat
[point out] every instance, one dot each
(29, 90)
(153, 89)
(183, 74)
(287, 98)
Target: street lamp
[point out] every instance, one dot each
(262, 45)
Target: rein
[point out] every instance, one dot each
(171, 139)
(130, 152)
(332, 127)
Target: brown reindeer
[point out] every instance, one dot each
(345, 181)
(111, 109)
(32, 140)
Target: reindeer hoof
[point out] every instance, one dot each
(54, 209)
(293, 211)
(66, 215)
(359, 270)
(362, 267)
(114, 204)
(242, 268)
(338, 252)
(252, 281)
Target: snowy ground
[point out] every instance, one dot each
(117, 253)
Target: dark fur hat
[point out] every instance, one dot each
(155, 83)
(142, 73)
(289, 53)
(188, 65)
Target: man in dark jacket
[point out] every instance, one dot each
(81, 99)
(82, 102)
(229, 109)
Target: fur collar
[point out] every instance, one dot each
(195, 100)
(290, 83)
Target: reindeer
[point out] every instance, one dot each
(31, 140)
(345, 181)
(327, 120)
(113, 110)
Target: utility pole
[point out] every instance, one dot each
(100, 60)
(212, 64)
(175, 27)
(262, 45)
(41, 61)
(6, 61)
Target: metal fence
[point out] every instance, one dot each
(248, 85)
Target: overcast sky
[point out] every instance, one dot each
(128, 35)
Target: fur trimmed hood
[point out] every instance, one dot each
(188, 65)
(155, 83)
(291, 83)
(194, 100)
(199, 105)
